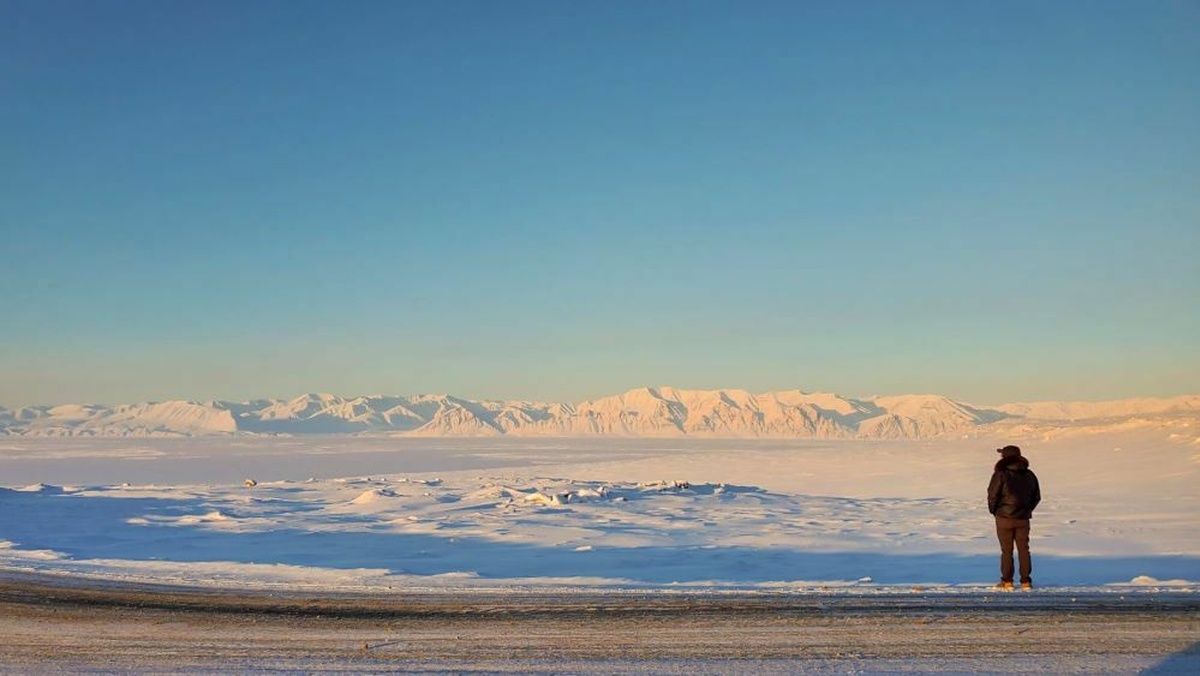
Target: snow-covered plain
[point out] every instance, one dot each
(1121, 510)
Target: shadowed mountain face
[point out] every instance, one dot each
(643, 412)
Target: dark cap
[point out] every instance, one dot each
(1009, 451)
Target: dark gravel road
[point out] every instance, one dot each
(52, 624)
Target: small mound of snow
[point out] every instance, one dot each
(374, 495)
(497, 491)
(10, 549)
(40, 488)
(214, 515)
(585, 494)
(456, 575)
(540, 498)
(1147, 581)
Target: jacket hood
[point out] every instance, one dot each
(1014, 464)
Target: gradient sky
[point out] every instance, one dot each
(994, 201)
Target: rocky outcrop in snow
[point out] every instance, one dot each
(642, 412)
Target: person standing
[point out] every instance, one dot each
(1013, 494)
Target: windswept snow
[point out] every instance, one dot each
(331, 512)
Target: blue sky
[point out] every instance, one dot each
(562, 200)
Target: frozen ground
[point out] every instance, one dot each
(413, 514)
(592, 533)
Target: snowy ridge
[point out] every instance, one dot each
(170, 418)
(641, 412)
(1088, 410)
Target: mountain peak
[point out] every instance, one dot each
(643, 411)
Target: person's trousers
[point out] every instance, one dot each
(1010, 532)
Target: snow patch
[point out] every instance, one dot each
(373, 496)
(1147, 581)
(48, 489)
(11, 550)
(207, 517)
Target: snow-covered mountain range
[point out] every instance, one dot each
(643, 412)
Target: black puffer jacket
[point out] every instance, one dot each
(1013, 491)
